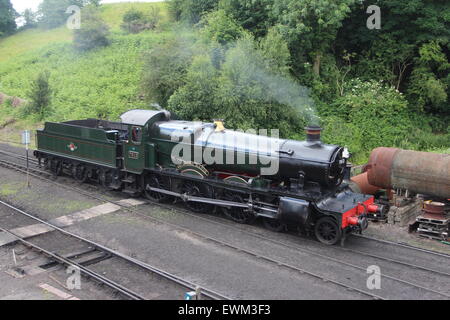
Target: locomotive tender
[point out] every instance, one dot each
(149, 153)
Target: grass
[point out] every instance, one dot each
(101, 83)
(113, 13)
(25, 41)
(9, 189)
(33, 39)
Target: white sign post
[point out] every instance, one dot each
(26, 142)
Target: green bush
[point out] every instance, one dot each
(40, 95)
(219, 27)
(99, 83)
(165, 67)
(376, 114)
(135, 21)
(196, 99)
(246, 90)
(190, 11)
(337, 131)
(93, 32)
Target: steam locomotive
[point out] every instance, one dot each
(286, 183)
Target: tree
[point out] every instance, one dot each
(29, 18)
(219, 27)
(246, 90)
(132, 20)
(40, 95)
(252, 15)
(310, 26)
(52, 13)
(196, 100)
(135, 21)
(165, 68)
(93, 32)
(429, 90)
(191, 11)
(276, 51)
(7, 17)
(254, 94)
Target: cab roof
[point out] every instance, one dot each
(140, 117)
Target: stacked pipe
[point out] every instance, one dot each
(416, 172)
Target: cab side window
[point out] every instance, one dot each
(136, 134)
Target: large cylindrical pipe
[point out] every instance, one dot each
(419, 172)
(363, 185)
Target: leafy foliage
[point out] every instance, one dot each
(252, 15)
(221, 28)
(7, 18)
(191, 11)
(40, 95)
(93, 32)
(165, 67)
(247, 91)
(376, 115)
(135, 21)
(310, 26)
(257, 64)
(429, 87)
(29, 18)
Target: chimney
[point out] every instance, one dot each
(313, 134)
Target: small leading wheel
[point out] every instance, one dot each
(327, 231)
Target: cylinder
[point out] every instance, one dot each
(363, 185)
(419, 172)
(313, 133)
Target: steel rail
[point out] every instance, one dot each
(221, 243)
(112, 284)
(204, 291)
(17, 167)
(18, 156)
(284, 244)
(188, 213)
(400, 244)
(393, 278)
(404, 245)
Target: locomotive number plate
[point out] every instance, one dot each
(133, 155)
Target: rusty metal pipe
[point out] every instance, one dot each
(363, 185)
(419, 172)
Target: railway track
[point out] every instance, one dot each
(403, 245)
(284, 244)
(108, 252)
(46, 173)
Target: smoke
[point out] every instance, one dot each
(287, 92)
(247, 66)
(253, 75)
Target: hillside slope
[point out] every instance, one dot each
(103, 82)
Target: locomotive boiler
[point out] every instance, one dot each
(286, 183)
